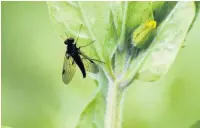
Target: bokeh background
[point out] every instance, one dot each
(34, 96)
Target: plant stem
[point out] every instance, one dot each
(114, 104)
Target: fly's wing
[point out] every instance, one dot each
(69, 69)
(89, 64)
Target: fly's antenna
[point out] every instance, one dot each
(78, 33)
(64, 36)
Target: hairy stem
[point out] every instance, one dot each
(113, 115)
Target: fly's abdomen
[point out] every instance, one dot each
(79, 62)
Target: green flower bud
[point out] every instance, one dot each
(142, 33)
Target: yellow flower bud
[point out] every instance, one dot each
(141, 34)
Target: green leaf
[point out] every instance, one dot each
(96, 18)
(136, 59)
(93, 114)
(133, 14)
(98, 24)
(168, 42)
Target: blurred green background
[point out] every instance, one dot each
(34, 96)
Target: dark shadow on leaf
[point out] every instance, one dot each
(161, 14)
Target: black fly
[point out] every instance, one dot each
(74, 56)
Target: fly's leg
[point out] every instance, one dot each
(87, 44)
(97, 60)
(92, 60)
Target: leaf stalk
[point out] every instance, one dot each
(113, 116)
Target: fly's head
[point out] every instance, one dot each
(69, 41)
